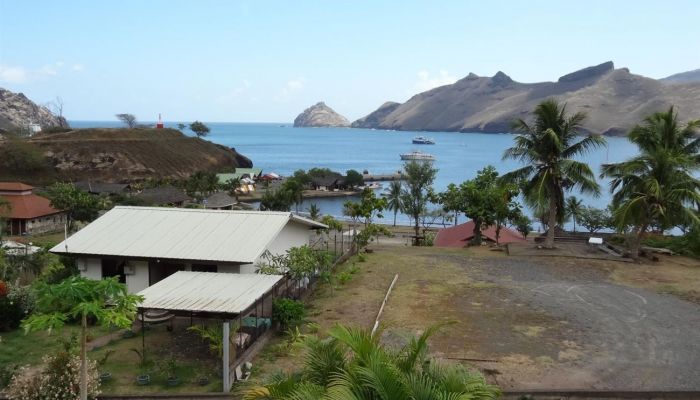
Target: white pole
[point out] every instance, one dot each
(65, 235)
(227, 376)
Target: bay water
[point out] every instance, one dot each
(281, 148)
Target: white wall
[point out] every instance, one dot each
(93, 268)
(139, 280)
(292, 235)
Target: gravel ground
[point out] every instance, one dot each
(621, 337)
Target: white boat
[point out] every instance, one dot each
(423, 140)
(374, 185)
(417, 155)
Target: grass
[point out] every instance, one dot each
(16, 347)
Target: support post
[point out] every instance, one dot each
(143, 336)
(227, 373)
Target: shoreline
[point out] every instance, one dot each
(307, 194)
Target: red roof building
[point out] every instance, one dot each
(460, 235)
(28, 213)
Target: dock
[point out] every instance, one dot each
(382, 177)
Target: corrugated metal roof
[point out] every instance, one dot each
(181, 234)
(208, 291)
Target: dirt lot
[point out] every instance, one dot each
(536, 322)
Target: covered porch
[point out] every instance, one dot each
(241, 303)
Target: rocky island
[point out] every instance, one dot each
(613, 99)
(319, 116)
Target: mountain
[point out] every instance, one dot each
(17, 111)
(375, 118)
(614, 100)
(113, 155)
(683, 77)
(320, 115)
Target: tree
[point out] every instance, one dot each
(128, 119)
(523, 224)
(573, 208)
(79, 205)
(314, 211)
(232, 185)
(181, 126)
(657, 187)
(594, 219)
(451, 200)
(201, 184)
(487, 201)
(353, 364)
(419, 177)
(547, 149)
(106, 301)
(393, 198)
(354, 178)
(294, 190)
(369, 207)
(199, 129)
(56, 106)
(276, 200)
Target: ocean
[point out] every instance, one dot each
(281, 148)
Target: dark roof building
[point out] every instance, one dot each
(460, 235)
(164, 195)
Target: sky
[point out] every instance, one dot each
(266, 61)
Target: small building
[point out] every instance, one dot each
(328, 182)
(163, 196)
(29, 213)
(460, 235)
(220, 201)
(144, 245)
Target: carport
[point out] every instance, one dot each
(246, 298)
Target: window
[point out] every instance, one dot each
(113, 267)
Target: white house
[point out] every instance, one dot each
(143, 245)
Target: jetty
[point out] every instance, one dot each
(382, 177)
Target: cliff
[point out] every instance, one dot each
(121, 155)
(17, 111)
(320, 115)
(614, 100)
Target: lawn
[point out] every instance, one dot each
(192, 357)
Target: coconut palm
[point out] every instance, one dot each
(314, 211)
(353, 365)
(393, 198)
(573, 209)
(232, 185)
(547, 148)
(657, 188)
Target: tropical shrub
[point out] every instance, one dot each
(287, 312)
(353, 364)
(58, 380)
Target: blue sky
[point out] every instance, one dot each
(262, 61)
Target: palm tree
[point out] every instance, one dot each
(233, 185)
(314, 211)
(393, 198)
(352, 364)
(658, 186)
(547, 149)
(573, 209)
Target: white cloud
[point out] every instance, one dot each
(17, 74)
(293, 85)
(427, 81)
(10, 74)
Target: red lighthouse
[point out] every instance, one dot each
(159, 124)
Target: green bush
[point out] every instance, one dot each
(288, 312)
(687, 245)
(20, 156)
(11, 314)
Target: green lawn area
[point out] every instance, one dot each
(191, 354)
(19, 348)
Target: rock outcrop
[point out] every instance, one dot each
(614, 100)
(17, 112)
(320, 115)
